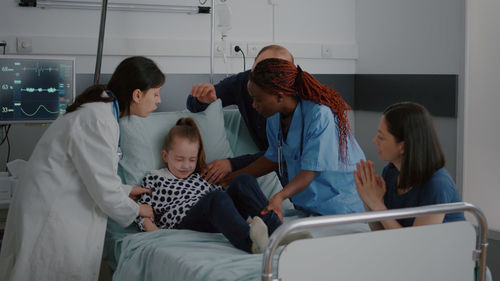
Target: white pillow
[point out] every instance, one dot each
(142, 140)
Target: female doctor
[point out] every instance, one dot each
(57, 218)
(310, 143)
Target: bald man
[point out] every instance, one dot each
(233, 91)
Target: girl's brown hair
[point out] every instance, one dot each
(278, 75)
(186, 128)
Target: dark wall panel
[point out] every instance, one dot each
(177, 86)
(370, 92)
(438, 93)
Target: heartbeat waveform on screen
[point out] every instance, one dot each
(39, 107)
(39, 69)
(32, 90)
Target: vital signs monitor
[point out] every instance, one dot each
(35, 89)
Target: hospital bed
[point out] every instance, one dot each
(189, 255)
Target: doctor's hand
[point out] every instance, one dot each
(204, 92)
(137, 191)
(275, 205)
(146, 211)
(149, 225)
(217, 170)
(371, 188)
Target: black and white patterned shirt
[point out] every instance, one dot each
(172, 197)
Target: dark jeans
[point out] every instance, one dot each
(226, 212)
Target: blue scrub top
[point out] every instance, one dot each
(313, 128)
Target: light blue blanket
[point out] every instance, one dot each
(187, 255)
(184, 255)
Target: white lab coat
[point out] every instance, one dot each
(57, 218)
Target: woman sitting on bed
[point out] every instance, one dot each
(182, 199)
(415, 175)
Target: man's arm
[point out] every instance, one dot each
(259, 167)
(242, 161)
(203, 94)
(193, 105)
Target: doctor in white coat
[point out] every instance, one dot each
(57, 219)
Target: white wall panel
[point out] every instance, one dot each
(482, 103)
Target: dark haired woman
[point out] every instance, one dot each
(57, 218)
(310, 143)
(415, 175)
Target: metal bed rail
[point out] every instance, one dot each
(322, 221)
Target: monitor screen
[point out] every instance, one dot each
(35, 89)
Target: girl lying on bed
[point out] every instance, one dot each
(182, 199)
(415, 175)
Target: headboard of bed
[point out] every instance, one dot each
(449, 251)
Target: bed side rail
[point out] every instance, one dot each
(322, 221)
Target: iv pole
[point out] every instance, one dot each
(97, 72)
(212, 41)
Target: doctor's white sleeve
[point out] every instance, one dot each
(93, 149)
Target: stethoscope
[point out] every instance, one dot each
(116, 112)
(282, 167)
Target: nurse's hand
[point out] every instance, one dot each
(204, 92)
(275, 205)
(137, 191)
(371, 188)
(146, 211)
(217, 170)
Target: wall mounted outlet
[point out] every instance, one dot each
(326, 51)
(220, 48)
(23, 45)
(243, 47)
(254, 48)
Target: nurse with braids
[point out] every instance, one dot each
(310, 142)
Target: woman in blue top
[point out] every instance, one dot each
(310, 142)
(415, 175)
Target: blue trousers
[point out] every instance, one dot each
(226, 212)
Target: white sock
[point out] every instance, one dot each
(258, 235)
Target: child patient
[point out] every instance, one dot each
(182, 199)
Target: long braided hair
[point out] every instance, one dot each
(278, 75)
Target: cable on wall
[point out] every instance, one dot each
(238, 49)
(3, 44)
(5, 138)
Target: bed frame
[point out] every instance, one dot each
(450, 251)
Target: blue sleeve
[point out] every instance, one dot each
(439, 189)
(244, 160)
(194, 105)
(226, 90)
(272, 127)
(231, 87)
(320, 144)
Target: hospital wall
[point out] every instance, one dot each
(440, 38)
(179, 43)
(368, 38)
(482, 117)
